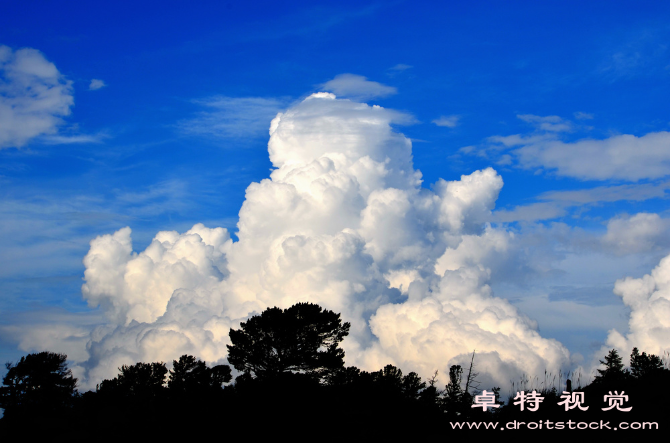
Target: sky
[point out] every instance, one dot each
(450, 176)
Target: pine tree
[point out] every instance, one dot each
(614, 370)
(37, 385)
(643, 365)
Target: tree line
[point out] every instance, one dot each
(290, 369)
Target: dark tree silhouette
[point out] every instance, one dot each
(344, 376)
(643, 365)
(453, 388)
(391, 380)
(614, 370)
(139, 380)
(455, 398)
(430, 396)
(38, 383)
(471, 381)
(412, 386)
(301, 339)
(190, 375)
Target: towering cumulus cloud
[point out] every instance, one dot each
(649, 300)
(343, 222)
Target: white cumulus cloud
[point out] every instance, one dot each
(648, 298)
(639, 233)
(342, 221)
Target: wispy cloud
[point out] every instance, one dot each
(357, 87)
(532, 212)
(49, 230)
(168, 196)
(51, 328)
(552, 123)
(303, 22)
(233, 117)
(96, 84)
(73, 139)
(629, 192)
(583, 116)
(34, 96)
(556, 204)
(619, 157)
(400, 67)
(450, 121)
(643, 52)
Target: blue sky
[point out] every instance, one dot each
(159, 113)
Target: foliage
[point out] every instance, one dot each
(456, 400)
(643, 365)
(138, 396)
(453, 389)
(412, 386)
(614, 370)
(496, 393)
(303, 339)
(391, 380)
(344, 376)
(138, 380)
(390, 376)
(38, 382)
(430, 396)
(190, 375)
